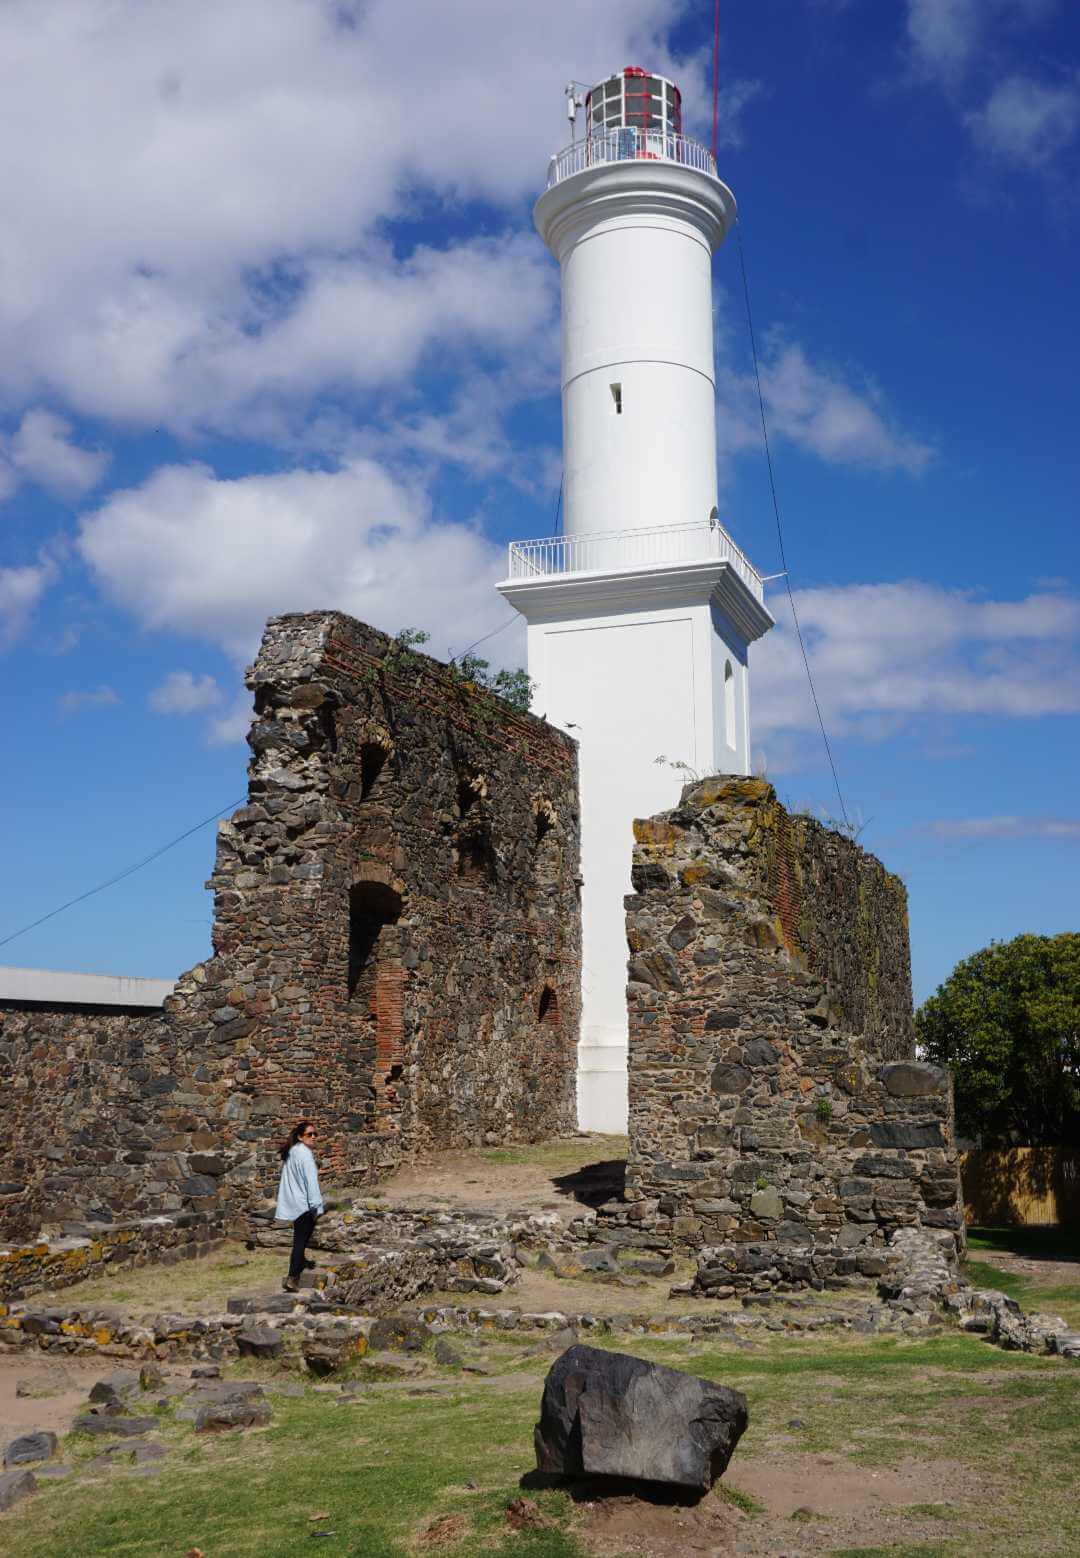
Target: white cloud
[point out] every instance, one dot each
(946, 35)
(230, 167)
(883, 655)
(232, 726)
(943, 33)
(102, 697)
(1027, 122)
(20, 591)
(967, 48)
(41, 451)
(816, 406)
(817, 409)
(213, 558)
(183, 693)
(958, 828)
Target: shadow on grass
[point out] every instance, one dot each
(1051, 1243)
(592, 1490)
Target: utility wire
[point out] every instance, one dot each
(130, 871)
(454, 658)
(779, 527)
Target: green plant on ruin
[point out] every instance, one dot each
(823, 1110)
(512, 687)
(850, 827)
(761, 1183)
(399, 659)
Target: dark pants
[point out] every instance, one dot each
(302, 1229)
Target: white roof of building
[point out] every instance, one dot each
(52, 988)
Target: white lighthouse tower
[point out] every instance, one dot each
(641, 614)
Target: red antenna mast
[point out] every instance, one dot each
(716, 78)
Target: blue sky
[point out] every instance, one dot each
(276, 334)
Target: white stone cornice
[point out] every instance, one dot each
(563, 596)
(638, 191)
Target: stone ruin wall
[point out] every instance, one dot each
(396, 953)
(775, 1100)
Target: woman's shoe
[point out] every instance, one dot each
(309, 1265)
(291, 1285)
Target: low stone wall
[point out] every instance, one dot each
(774, 1097)
(48, 1264)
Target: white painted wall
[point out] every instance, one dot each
(635, 241)
(632, 680)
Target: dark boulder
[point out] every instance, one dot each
(119, 1427)
(114, 1388)
(235, 1411)
(609, 1414)
(258, 1341)
(16, 1485)
(40, 1446)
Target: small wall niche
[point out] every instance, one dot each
(476, 858)
(544, 818)
(547, 1008)
(372, 905)
(373, 756)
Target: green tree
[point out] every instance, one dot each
(1007, 1024)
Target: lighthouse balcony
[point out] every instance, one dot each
(629, 144)
(632, 551)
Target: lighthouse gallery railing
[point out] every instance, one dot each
(614, 550)
(626, 144)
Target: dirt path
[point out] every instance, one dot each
(560, 1176)
(797, 1504)
(53, 1391)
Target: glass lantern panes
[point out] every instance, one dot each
(632, 101)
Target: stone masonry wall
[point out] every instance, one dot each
(774, 1095)
(396, 954)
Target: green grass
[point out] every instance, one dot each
(562, 1156)
(387, 1464)
(919, 1550)
(191, 1286)
(1030, 1290)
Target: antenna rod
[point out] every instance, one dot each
(716, 79)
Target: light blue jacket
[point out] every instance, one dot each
(298, 1191)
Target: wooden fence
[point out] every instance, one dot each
(1025, 1187)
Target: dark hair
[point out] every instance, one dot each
(293, 1137)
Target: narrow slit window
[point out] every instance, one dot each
(729, 704)
(616, 395)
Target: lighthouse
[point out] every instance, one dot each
(641, 613)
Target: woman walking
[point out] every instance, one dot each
(299, 1197)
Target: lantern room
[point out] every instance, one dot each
(634, 100)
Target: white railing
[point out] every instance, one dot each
(612, 551)
(628, 145)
